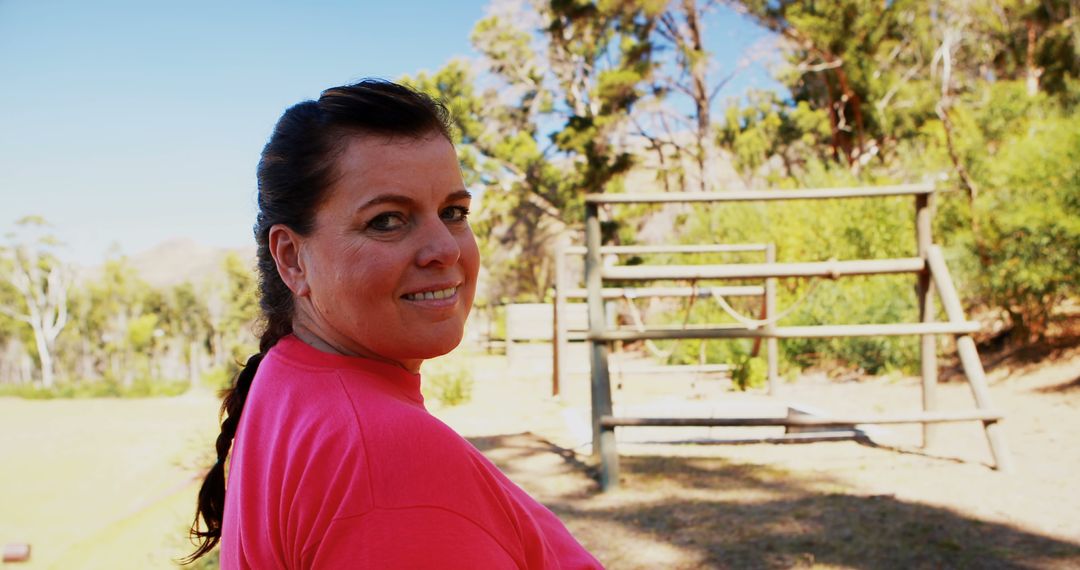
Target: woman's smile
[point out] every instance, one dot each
(433, 294)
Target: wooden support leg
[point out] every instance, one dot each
(603, 437)
(969, 358)
(609, 460)
(772, 346)
(928, 362)
(927, 342)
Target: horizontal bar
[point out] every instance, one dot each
(689, 327)
(804, 437)
(678, 248)
(765, 270)
(760, 195)
(816, 331)
(807, 421)
(687, 368)
(636, 292)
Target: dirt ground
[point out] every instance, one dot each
(885, 503)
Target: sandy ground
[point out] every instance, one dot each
(888, 503)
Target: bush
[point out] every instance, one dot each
(1031, 232)
(748, 373)
(448, 381)
(105, 388)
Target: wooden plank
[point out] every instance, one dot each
(600, 378)
(765, 270)
(969, 356)
(528, 321)
(640, 292)
(674, 248)
(802, 437)
(925, 301)
(676, 368)
(807, 421)
(817, 331)
(759, 195)
(559, 324)
(772, 346)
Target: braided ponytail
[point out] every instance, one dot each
(295, 169)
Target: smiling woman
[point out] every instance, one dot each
(367, 268)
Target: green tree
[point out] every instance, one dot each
(30, 266)
(548, 126)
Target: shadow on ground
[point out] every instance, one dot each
(692, 512)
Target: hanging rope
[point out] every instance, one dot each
(758, 323)
(639, 323)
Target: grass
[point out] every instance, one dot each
(102, 483)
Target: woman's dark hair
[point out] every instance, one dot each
(295, 169)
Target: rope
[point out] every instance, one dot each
(640, 325)
(757, 323)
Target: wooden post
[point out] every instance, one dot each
(603, 436)
(969, 357)
(558, 337)
(927, 342)
(772, 355)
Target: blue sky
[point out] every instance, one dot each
(132, 122)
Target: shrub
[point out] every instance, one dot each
(450, 382)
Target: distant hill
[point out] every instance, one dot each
(174, 261)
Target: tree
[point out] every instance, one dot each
(551, 125)
(31, 267)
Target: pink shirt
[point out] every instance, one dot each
(337, 464)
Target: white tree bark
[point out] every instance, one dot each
(43, 286)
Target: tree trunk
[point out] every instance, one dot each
(1033, 72)
(45, 357)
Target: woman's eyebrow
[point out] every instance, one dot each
(459, 195)
(387, 199)
(407, 201)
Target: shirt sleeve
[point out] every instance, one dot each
(411, 537)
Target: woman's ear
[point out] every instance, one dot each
(285, 248)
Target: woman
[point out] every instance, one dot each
(367, 267)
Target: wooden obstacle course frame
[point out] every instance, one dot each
(932, 275)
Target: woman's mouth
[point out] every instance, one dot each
(430, 295)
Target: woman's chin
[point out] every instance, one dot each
(424, 349)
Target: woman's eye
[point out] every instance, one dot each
(455, 214)
(387, 222)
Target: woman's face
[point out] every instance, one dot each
(390, 267)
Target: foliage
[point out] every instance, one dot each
(749, 373)
(30, 268)
(106, 388)
(449, 381)
(562, 80)
(127, 338)
(1031, 234)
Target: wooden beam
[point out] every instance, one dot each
(817, 331)
(603, 439)
(969, 355)
(765, 270)
(683, 368)
(802, 437)
(676, 248)
(772, 346)
(808, 421)
(759, 195)
(636, 292)
(925, 299)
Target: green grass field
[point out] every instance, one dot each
(102, 483)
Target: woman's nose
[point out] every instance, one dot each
(438, 246)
